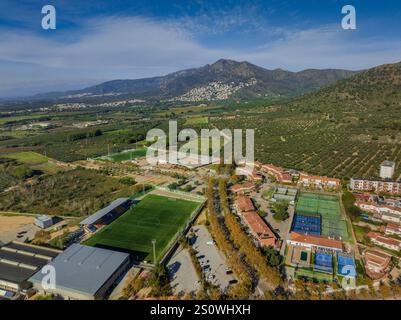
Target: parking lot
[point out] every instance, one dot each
(211, 259)
(183, 277)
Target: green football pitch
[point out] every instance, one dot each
(125, 155)
(154, 217)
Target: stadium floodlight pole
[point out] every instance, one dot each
(154, 250)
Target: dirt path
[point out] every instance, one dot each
(8, 223)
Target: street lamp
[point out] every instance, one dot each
(154, 250)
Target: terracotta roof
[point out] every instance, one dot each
(272, 167)
(245, 204)
(383, 206)
(377, 257)
(278, 172)
(315, 240)
(243, 186)
(259, 228)
(361, 195)
(256, 176)
(393, 226)
(322, 178)
(386, 240)
(286, 177)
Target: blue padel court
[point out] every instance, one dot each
(307, 224)
(323, 262)
(345, 265)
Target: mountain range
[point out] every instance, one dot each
(223, 79)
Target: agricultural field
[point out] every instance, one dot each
(333, 144)
(76, 192)
(16, 119)
(16, 167)
(154, 217)
(196, 121)
(30, 158)
(64, 142)
(35, 161)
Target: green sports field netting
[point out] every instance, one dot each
(328, 207)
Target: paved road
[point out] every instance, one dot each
(183, 276)
(286, 227)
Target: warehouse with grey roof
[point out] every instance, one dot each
(85, 273)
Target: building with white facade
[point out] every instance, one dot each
(379, 186)
(387, 169)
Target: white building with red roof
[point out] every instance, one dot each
(315, 242)
(320, 182)
(392, 229)
(386, 242)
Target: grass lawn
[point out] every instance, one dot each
(35, 161)
(196, 120)
(154, 217)
(313, 274)
(29, 157)
(19, 118)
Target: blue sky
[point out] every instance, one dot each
(98, 40)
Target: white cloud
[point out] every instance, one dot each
(325, 47)
(135, 47)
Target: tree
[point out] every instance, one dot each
(134, 286)
(42, 236)
(385, 291)
(348, 200)
(160, 282)
(22, 172)
(395, 261)
(173, 186)
(129, 181)
(281, 213)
